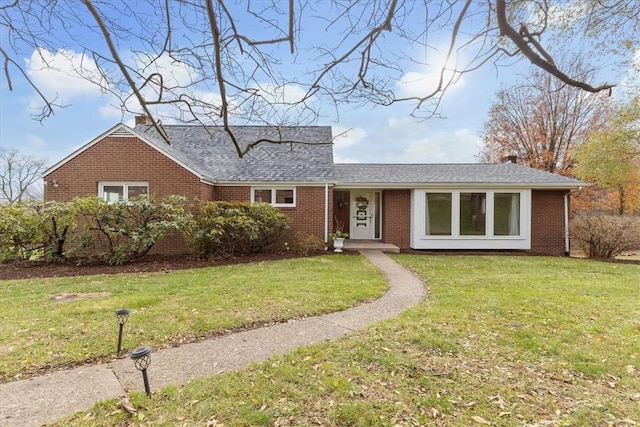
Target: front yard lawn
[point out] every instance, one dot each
(499, 340)
(56, 322)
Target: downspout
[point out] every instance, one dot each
(326, 213)
(566, 223)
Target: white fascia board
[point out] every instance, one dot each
(85, 147)
(454, 185)
(269, 183)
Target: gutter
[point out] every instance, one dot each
(326, 213)
(459, 185)
(567, 246)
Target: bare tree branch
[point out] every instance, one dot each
(18, 173)
(123, 69)
(49, 104)
(221, 63)
(522, 41)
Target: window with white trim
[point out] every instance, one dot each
(506, 214)
(468, 214)
(277, 196)
(114, 192)
(438, 214)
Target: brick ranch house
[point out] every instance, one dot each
(501, 206)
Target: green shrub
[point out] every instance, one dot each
(20, 231)
(30, 231)
(304, 244)
(59, 233)
(127, 230)
(229, 229)
(605, 236)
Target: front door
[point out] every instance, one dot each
(362, 215)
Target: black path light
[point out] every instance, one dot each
(141, 358)
(121, 317)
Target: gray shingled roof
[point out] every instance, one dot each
(209, 152)
(442, 174)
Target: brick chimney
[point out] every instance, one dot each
(143, 120)
(509, 159)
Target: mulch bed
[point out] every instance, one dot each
(150, 263)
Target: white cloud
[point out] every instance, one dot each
(63, 74)
(174, 74)
(286, 94)
(340, 159)
(178, 80)
(405, 140)
(459, 146)
(434, 67)
(423, 83)
(346, 137)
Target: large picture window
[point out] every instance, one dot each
(479, 214)
(114, 192)
(276, 196)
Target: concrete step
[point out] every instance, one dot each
(359, 245)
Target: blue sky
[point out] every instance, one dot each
(373, 133)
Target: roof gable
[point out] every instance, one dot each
(123, 131)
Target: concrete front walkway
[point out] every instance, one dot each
(44, 399)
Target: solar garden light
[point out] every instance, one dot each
(121, 317)
(141, 358)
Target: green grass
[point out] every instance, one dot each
(508, 341)
(39, 332)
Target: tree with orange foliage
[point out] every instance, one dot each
(541, 120)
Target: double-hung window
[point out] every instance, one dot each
(114, 192)
(277, 196)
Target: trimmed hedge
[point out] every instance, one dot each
(224, 229)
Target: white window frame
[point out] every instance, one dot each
(421, 240)
(273, 196)
(124, 184)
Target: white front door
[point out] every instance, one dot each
(362, 215)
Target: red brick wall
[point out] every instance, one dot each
(306, 218)
(547, 222)
(232, 194)
(206, 191)
(120, 159)
(396, 217)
